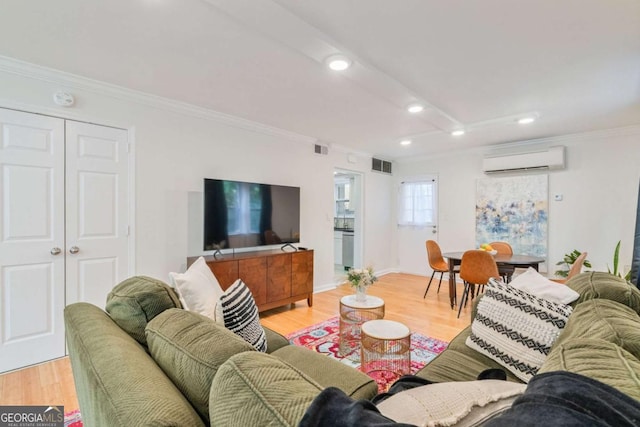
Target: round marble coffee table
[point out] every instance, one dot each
(385, 349)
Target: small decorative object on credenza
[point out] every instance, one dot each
(361, 279)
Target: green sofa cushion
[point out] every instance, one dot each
(597, 359)
(274, 340)
(257, 389)
(136, 301)
(606, 320)
(594, 284)
(327, 372)
(190, 348)
(459, 362)
(117, 382)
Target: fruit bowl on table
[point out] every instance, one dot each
(489, 251)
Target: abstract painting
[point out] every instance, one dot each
(514, 210)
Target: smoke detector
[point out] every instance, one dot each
(63, 99)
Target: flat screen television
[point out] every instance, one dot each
(246, 214)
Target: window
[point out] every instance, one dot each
(243, 198)
(418, 202)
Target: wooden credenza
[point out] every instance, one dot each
(275, 278)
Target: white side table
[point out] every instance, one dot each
(352, 315)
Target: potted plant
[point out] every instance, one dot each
(616, 260)
(568, 261)
(361, 279)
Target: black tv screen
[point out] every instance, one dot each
(246, 214)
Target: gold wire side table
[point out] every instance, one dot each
(352, 315)
(385, 349)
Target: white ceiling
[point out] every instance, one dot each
(479, 65)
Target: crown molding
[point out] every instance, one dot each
(569, 138)
(347, 150)
(73, 81)
(528, 144)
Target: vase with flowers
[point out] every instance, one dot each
(361, 279)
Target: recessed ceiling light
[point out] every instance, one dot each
(415, 108)
(526, 120)
(458, 132)
(405, 142)
(338, 62)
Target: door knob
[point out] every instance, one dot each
(74, 250)
(55, 251)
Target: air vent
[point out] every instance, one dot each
(380, 165)
(320, 149)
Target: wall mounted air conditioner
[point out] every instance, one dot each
(549, 159)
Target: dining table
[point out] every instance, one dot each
(514, 261)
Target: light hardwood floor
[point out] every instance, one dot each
(52, 382)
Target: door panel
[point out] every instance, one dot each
(97, 212)
(22, 283)
(32, 276)
(37, 202)
(101, 273)
(97, 205)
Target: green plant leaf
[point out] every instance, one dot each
(616, 258)
(562, 273)
(568, 261)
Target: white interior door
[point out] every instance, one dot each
(97, 211)
(32, 276)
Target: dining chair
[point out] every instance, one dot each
(504, 248)
(437, 264)
(476, 268)
(575, 269)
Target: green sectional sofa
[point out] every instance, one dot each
(148, 362)
(601, 339)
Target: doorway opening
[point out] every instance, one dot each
(347, 222)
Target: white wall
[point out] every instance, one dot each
(599, 186)
(174, 151)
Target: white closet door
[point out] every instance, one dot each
(32, 276)
(97, 211)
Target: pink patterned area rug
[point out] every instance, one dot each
(73, 419)
(323, 338)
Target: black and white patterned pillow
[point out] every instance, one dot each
(240, 315)
(515, 328)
